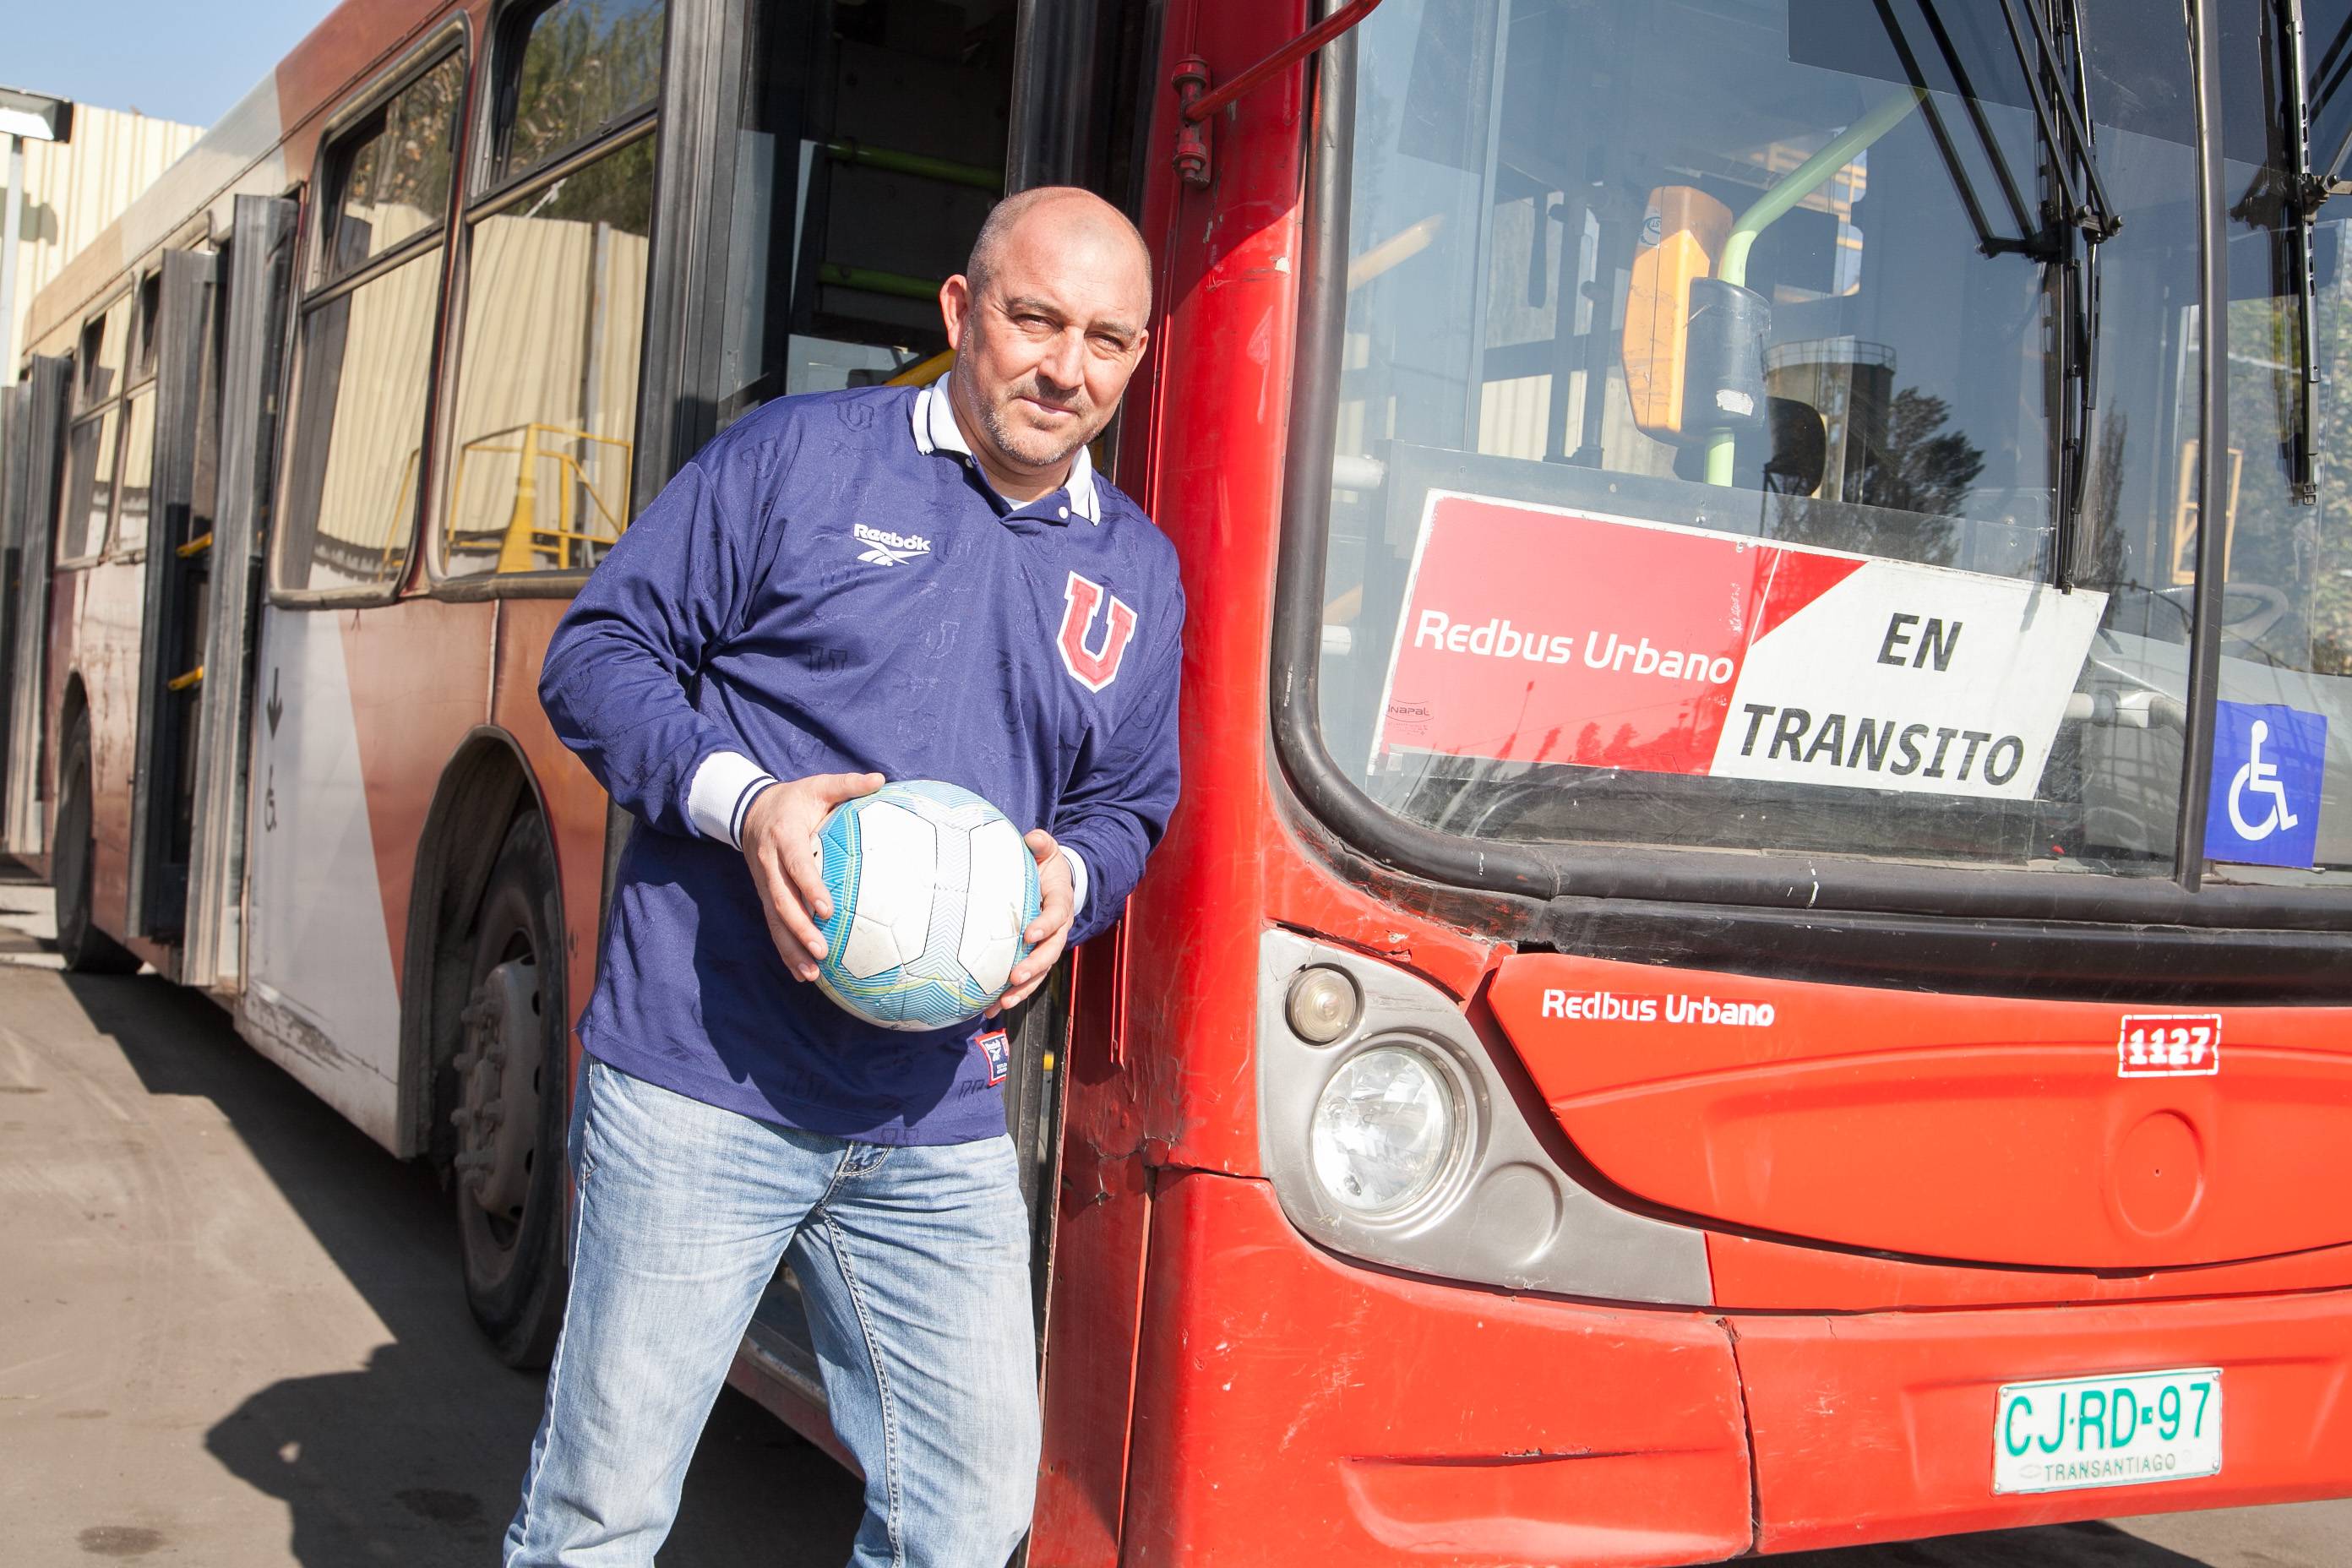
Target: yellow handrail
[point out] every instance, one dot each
(524, 539)
(924, 371)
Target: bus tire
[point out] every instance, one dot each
(513, 1082)
(85, 949)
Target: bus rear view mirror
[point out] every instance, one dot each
(1682, 234)
(1723, 375)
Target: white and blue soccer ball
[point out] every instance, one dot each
(931, 889)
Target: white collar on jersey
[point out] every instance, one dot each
(936, 430)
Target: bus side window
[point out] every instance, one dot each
(543, 429)
(88, 493)
(366, 341)
(86, 499)
(106, 346)
(132, 487)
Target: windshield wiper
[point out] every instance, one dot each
(2049, 77)
(2335, 66)
(2083, 227)
(2307, 191)
(1988, 242)
(2075, 215)
(2045, 78)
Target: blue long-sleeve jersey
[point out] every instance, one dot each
(832, 587)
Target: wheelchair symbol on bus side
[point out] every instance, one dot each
(2259, 776)
(2269, 764)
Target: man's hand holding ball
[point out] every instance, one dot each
(1050, 932)
(779, 840)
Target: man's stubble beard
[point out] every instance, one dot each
(1012, 440)
(1009, 438)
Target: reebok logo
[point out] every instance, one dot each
(887, 549)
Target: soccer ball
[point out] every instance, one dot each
(931, 889)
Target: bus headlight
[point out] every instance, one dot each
(1393, 1133)
(1384, 1129)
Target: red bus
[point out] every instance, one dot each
(1758, 949)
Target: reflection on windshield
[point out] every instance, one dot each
(1627, 280)
(2286, 634)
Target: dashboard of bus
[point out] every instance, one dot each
(1774, 426)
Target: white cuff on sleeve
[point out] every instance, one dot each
(1077, 881)
(722, 787)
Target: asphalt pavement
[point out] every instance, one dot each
(231, 1332)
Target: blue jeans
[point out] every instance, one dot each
(914, 1263)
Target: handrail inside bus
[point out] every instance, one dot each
(915, 166)
(1799, 182)
(922, 373)
(520, 541)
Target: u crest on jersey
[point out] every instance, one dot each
(1096, 667)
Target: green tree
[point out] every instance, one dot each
(1922, 467)
(584, 65)
(2331, 555)
(1912, 483)
(2301, 551)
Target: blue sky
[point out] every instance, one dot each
(166, 57)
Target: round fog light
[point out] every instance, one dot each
(1323, 1005)
(1383, 1128)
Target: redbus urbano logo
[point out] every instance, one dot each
(1498, 639)
(1675, 1007)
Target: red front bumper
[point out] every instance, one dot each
(1879, 1426)
(1292, 1407)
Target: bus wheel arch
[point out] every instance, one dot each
(73, 708)
(81, 943)
(484, 1069)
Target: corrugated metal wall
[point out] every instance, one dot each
(74, 189)
(553, 325)
(367, 495)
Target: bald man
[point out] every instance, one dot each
(846, 587)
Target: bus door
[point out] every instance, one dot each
(179, 568)
(15, 409)
(40, 419)
(846, 183)
(227, 520)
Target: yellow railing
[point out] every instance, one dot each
(525, 537)
(924, 371)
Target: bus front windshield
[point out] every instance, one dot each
(1773, 425)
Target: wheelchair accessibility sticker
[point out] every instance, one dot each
(2268, 762)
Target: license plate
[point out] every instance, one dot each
(2126, 1431)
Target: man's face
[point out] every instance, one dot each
(1046, 345)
